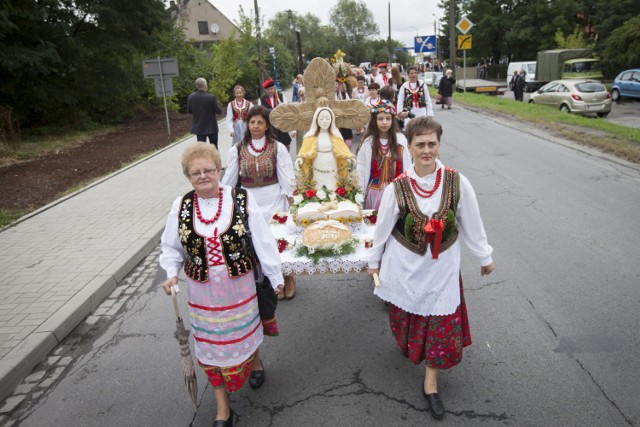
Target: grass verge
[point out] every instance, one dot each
(598, 133)
(7, 216)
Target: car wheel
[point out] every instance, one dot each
(602, 115)
(615, 94)
(565, 108)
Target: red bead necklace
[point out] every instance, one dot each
(426, 193)
(196, 205)
(260, 150)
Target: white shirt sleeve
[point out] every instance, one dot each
(229, 119)
(427, 99)
(470, 225)
(388, 215)
(400, 99)
(172, 256)
(265, 246)
(363, 165)
(406, 156)
(230, 177)
(285, 170)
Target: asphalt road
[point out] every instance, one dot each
(554, 328)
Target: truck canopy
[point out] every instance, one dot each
(549, 64)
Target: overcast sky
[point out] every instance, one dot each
(408, 17)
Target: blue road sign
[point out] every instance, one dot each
(424, 44)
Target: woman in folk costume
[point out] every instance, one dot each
(417, 255)
(383, 155)
(413, 97)
(323, 155)
(237, 111)
(202, 235)
(265, 170)
(360, 92)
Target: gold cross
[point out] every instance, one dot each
(319, 84)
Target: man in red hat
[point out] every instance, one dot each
(271, 100)
(386, 76)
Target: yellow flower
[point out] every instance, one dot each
(304, 222)
(341, 220)
(184, 232)
(239, 228)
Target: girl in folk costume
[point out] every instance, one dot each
(383, 155)
(202, 235)
(413, 97)
(416, 252)
(237, 111)
(264, 168)
(373, 99)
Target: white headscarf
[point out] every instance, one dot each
(333, 130)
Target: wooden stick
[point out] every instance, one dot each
(376, 280)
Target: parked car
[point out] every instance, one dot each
(627, 84)
(432, 78)
(575, 96)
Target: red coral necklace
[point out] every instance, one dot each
(196, 205)
(425, 194)
(260, 150)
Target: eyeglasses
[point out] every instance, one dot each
(207, 172)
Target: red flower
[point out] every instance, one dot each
(279, 219)
(310, 193)
(340, 191)
(282, 245)
(373, 219)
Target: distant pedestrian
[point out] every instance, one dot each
(271, 100)
(237, 111)
(445, 88)
(512, 82)
(297, 85)
(204, 107)
(520, 85)
(361, 93)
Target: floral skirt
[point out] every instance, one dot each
(270, 327)
(438, 340)
(231, 378)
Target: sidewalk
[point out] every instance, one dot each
(58, 263)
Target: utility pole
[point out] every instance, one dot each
(452, 35)
(389, 40)
(300, 69)
(259, 41)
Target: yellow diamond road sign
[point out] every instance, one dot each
(464, 25)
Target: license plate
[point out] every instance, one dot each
(595, 107)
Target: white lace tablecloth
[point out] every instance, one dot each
(295, 265)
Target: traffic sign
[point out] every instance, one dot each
(424, 44)
(464, 25)
(464, 42)
(165, 67)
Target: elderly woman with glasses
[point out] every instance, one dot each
(204, 235)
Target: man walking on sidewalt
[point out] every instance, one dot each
(204, 107)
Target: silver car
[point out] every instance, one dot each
(575, 96)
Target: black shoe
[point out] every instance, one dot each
(256, 379)
(225, 423)
(435, 405)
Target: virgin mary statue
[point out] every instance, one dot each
(324, 157)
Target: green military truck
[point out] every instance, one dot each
(567, 64)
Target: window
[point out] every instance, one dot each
(590, 87)
(203, 27)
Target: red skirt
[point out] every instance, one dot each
(231, 378)
(438, 340)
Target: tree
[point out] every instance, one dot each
(622, 49)
(574, 40)
(354, 23)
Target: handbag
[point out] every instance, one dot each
(439, 99)
(267, 299)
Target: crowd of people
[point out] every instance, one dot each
(423, 206)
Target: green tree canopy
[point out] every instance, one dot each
(622, 50)
(354, 23)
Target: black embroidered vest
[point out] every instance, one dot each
(233, 247)
(260, 170)
(409, 229)
(409, 97)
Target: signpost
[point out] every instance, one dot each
(272, 51)
(464, 43)
(424, 44)
(161, 70)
